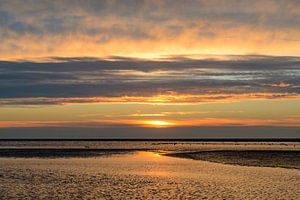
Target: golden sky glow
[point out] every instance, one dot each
(243, 112)
(148, 29)
(120, 68)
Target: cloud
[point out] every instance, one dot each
(176, 79)
(147, 123)
(122, 132)
(151, 27)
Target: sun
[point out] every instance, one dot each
(158, 123)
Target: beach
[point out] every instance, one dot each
(148, 172)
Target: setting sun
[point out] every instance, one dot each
(158, 123)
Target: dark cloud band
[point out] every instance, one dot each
(118, 77)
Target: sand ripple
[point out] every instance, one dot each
(142, 175)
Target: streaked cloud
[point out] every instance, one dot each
(153, 123)
(172, 80)
(147, 28)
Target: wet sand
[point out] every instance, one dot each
(141, 175)
(61, 153)
(259, 158)
(148, 170)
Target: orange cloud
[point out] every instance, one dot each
(172, 98)
(281, 84)
(149, 29)
(155, 123)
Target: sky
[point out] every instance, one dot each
(149, 69)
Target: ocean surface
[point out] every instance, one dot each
(149, 170)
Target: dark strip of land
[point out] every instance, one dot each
(259, 158)
(170, 139)
(61, 153)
